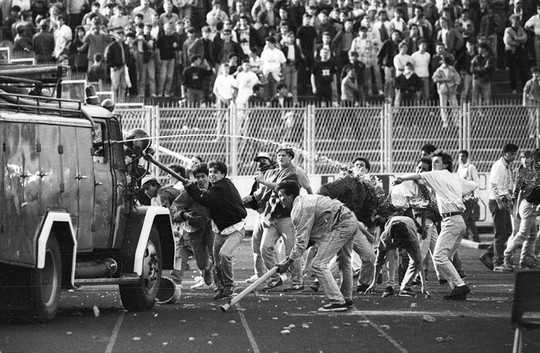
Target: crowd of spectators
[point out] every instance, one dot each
(336, 50)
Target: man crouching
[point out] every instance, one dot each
(329, 225)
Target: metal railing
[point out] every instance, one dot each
(324, 138)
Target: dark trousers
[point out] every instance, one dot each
(502, 228)
(516, 64)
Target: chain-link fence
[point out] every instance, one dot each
(489, 128)
(324, 138)
(411, 127)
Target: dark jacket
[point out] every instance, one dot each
(386, 55)
(297, 55)
(113, 55)
(223, 200)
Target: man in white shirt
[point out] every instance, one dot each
(272, 61)
(145, 10)
(421, 60)
(401, 59)
(245, 80)
(533, 24)
(449, 190)
(501, 184)
(62, 41)
(467, 171)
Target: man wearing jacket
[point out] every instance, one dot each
(196, 226)
(227, 213)
(482, 67)
(116, 54)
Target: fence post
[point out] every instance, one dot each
(233, 146)
(309, 139)
(467, 126)
(153, 123)
(537, 130)
(387, 133)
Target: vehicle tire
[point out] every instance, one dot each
(142, 295)
(46, 283)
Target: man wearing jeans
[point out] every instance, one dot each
(196, 227)
(332, 227)
(276, 218)
(501, 184)
(528, 189)
(449, 190)
(167, 43)
(227, 213)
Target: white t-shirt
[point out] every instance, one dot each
(272, 59)
(421, 63)
(399, 63)
(223, 86)
(244, 83)
(449, 189)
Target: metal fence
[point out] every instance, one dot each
(326, 137)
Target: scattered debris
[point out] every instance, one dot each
(443, 339)
(96, 311)
(285, 332)
(191, 339)
(69, 333)
(232, 322)
(428, 318)
(304, 325)
(136, 338)
(413, 305)
(385, 327)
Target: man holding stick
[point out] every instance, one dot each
(329, 225)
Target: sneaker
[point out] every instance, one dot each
(462, 274)
(388, 291)
(349, 303)
(333, 307)
(417, 281)
(362, 288)
(223, 293)
(201, 285)
(443, 281)
(487, 261)
(458, 293)
(528, 262)
(273, 284)
(502, 268)
(315, 286)
(407, 292)
(207, 276)
(252, 279)
(294, 287)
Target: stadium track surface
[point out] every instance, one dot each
(258, 323)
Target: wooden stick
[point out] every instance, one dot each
(249, 289)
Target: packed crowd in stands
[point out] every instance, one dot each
(335, 50)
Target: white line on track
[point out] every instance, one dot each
(114, 334)
(468, 313)
(385, 335)
(248, 331)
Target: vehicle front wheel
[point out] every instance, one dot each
(46, 283)
(142, 295)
